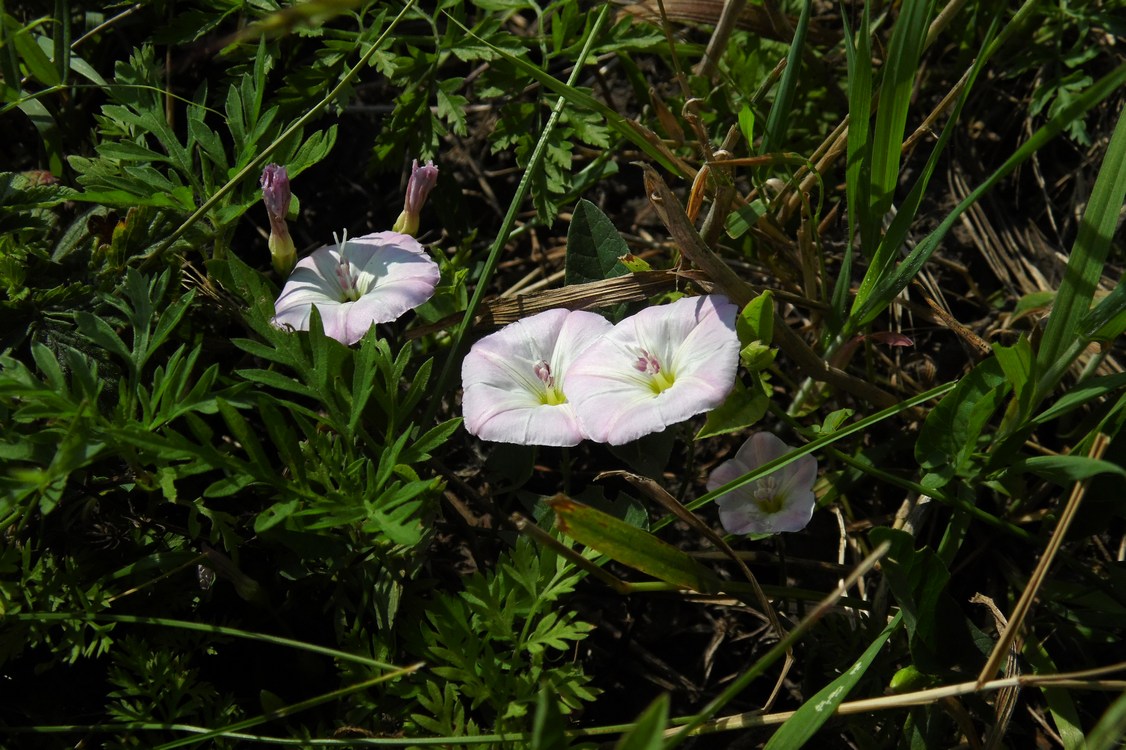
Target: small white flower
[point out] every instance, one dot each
(782, 500)
(516, 380)
(357, 283)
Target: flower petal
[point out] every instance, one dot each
(694, 343)
(503, 398)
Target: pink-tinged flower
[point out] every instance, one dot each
(656, 368)
(355, 283)
(277, 196)
(422, 181)
(780, 501)
(517, 380)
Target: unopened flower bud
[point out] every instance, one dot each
(422, 181)
(276, 195)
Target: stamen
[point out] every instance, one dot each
(551, 395)
(766, 488)
(344, 274)
(767, 492)
(660, 380)
(543, 371)
(647, 363)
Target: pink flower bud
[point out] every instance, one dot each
(276, 195)
(275, 192)
(422, 181)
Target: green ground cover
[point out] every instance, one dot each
(748, 374)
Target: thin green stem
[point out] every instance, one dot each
(509, 220)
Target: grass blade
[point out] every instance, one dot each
(899, 74)
(896, 281)
(858, 176)
(1085, 265)
(816, 711)
(780, 110)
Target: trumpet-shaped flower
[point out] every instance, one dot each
(516, 381)
(356, 283)
(780, 501)
(656, 368)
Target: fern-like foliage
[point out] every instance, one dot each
(498, 641)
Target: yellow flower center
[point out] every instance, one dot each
(551, 395)
(660, 379)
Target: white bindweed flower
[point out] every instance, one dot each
(356, 283)
(656, 368)
(516, 380)
(780, 501)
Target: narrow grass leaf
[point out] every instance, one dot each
(1066, 470)
(1085, 265)
(858, 176)
(805, 722)
(887, 289)
(1108, 733)
(899, 72)
(647, 733)
(548, 729)
(781, 110)
(888, 246)
(631, 546)
(815, 445)
(1107, 320)
(1084, 393)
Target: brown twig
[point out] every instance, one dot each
(1024, 604)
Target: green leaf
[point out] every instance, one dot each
(741, 220)
(48, 129)
(548, 729)
(1016, 363)
(275, 514)
(38, 64)
(102, 334)
(1084, 266)
(938, 634)
(949, 436)
(747, 123)
(756, 320)
(781, 110)
(649, 729)
(451, 106)
(1065, 470)
(593, 246)
(631, 546)
(742, 408)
